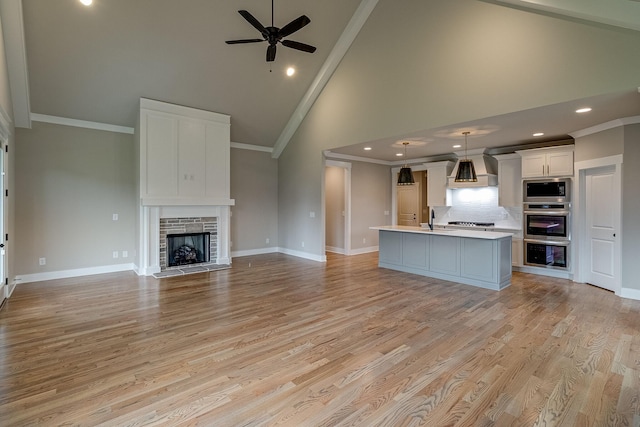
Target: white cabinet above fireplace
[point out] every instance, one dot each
(184, 155)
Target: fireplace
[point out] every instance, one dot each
(187, 249)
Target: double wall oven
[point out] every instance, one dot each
(547, 222)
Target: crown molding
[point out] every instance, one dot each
(80, 123)
(605, 126)
(251, 147)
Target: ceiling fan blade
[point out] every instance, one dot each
(271, 53)
(244, 41)
(253, 21)
(294, 26)
(300, 46)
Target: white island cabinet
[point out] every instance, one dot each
(478, 258)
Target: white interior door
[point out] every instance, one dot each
(3, 285)
(602, 212)
(408, 204)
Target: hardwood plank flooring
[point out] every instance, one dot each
(281, 341)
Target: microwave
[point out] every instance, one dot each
(551, 190)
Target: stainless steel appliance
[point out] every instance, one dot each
(548, 190)
(547, 253)
(548, 221)
(547, 234)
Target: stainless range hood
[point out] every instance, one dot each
(486, 169)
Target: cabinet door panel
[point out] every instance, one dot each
(160, 152)
(560, 163)
(391, 247)
(415, 250)
(533, 165)
(479, 259)
(444, 255)
(191, 158)
(217, 155)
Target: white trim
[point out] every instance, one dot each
(580, 245)
(65, 274)
(181, 110)
(5, 124)
(322, 78)
(619, 14)
(335, 164)
(183, 201)
(630, 293)
(16, 55)
(250, 252)
(367, 250)
(305, 255)
(80, 123)
(335, 250)
(242, 146)
(541, 271)
(329, 154)
(605, 126)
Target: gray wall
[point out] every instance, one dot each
(458, 61)
(631, 208)
(69, 183)
(370, 198)
(254, 186)
(598, 145)
(334, 208)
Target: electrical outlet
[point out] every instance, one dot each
(364, 240)
(267, 241)
(115, 217)
(125, 254)
(312, 214)
(115, 254)
(303, 244)
(42, 261)
(386, 213)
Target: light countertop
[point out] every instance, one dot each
(474, 234)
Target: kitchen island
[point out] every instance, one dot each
(478, 258)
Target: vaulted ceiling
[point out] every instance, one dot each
(94, 63)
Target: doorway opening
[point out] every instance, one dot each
(337, 202)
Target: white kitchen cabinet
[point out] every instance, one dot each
(517, 248)
(509, 180)
(437, 174)
(543, 162)
(184, 155)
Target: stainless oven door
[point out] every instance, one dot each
(547, 224)
(547, 253)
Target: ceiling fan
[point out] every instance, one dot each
(273, 35)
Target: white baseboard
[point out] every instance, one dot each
(334, 250)
(550, 272)
(250, 252)
(65, 274)
(305, 255)
(367, 250)
(630, 293)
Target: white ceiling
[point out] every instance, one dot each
(94, 64)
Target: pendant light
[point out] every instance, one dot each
(466, 170)
(405, 177)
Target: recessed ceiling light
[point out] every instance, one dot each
(538, 134)
(398, 154)
(583, 110)
(457, 146)
(291, 71)
(367, 148)
(86, 2)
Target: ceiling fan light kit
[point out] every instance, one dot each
(274, 35)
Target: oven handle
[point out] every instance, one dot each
(549, 242)
(545, 212)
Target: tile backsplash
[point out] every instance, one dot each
(478, 205)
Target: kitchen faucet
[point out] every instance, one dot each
(431, 219)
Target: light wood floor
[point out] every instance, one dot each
(278, 340)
